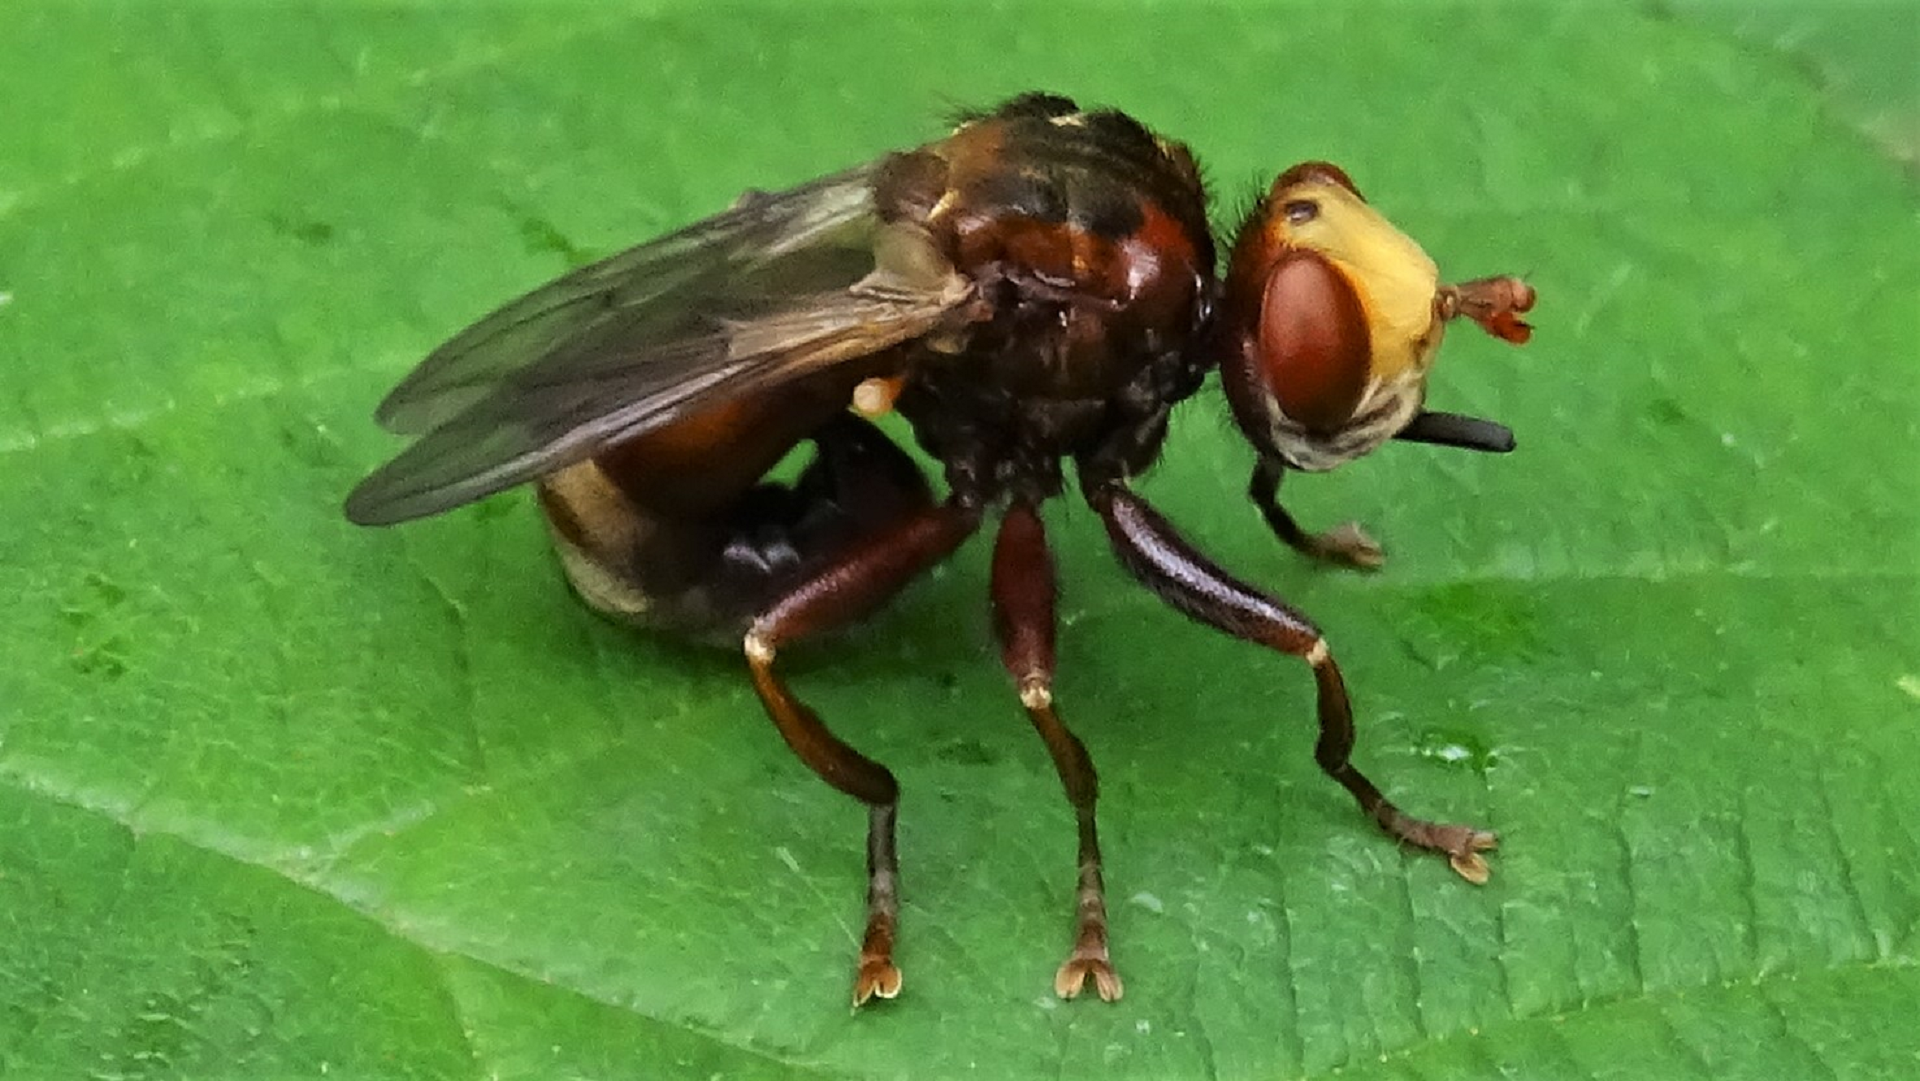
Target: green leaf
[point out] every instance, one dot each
(286, 798)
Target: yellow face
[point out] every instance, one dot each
(1394, 279)
(1330, 318)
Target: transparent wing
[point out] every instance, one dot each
(782, 286)
(761, 234)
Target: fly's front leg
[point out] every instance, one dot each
(1345, 545)
(858, 580)
(1023, 609)
(1165, 563)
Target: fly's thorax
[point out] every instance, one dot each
(1087, 220)
(1086, 238)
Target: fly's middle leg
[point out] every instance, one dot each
(1024, 594)
(858, 580)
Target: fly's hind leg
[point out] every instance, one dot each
(865, 506)
(857, 580)
(778, 564)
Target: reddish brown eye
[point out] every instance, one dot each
(1314, 345)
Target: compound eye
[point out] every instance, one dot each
(1316, 172)
(1315, 349)
(1300, 211)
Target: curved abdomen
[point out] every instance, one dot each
(680, 530)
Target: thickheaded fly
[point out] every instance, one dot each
(1033, 293)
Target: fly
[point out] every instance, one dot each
(1033, 293)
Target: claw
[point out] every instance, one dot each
(1463, 846)
(1349, 545)
(878, 977)
(1072, 977)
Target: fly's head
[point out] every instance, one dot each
(1331, 318)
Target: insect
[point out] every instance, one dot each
(1034, 291)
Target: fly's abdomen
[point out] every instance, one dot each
(681, 530)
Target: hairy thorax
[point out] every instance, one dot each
(1086, 238)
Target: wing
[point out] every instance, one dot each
(779, 287)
